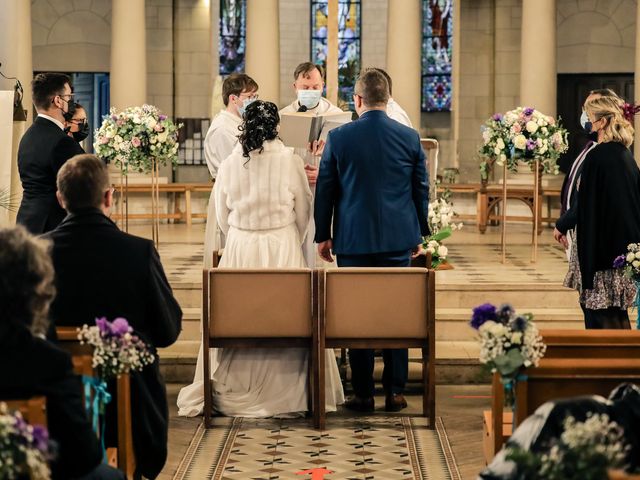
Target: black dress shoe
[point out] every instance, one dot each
(395, 402)
(359, 404)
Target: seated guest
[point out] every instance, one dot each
(32, 366)
(103, 272)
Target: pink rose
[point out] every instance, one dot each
(135, 141)
(158, 127)
(103, 140)
(517, 128)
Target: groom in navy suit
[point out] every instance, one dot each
(373, 184)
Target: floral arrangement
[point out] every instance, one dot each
(116, 349)
(25, 450)
(442, 226)
(630, 264)
(523, 134)
(508, 341)
(136, 137)
(585, 451)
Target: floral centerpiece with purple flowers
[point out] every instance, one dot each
(630, 264)
(25, 450)
(508, 342)
(116, 348)
(523, 134)
(136, 137)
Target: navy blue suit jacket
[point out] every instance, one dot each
(373, 183)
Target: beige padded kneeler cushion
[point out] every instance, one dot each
(260, 303)
(376, 303)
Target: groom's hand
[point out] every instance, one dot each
(417, 251)
(324, 249)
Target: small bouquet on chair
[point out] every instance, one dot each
(630, 264)
(116, 349)
(25, 449)
(508, 342)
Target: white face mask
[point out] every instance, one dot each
(309, 98)
(245, 103)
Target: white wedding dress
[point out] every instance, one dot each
(263, 207)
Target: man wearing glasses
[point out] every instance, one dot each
(44, 148)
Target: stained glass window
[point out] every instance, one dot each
(231, 46)
(437, 37)
(349, 28)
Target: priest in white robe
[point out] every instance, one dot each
(238, 91)
(309, 85)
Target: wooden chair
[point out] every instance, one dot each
(568, 344)
(379, 308)
(123, 457)
(431, 145)
(33, 410)
(262, 308)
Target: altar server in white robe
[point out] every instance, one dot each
(238, 91)
(263, 205)
(309, 85)
(394, 110)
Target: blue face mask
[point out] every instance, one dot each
(309, 98)
(584, 121)
(245, 103)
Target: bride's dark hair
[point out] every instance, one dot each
(260, 124)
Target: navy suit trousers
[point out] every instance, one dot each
(396, 361)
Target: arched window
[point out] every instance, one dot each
(232, 38)
(349, 32)
(437, 37)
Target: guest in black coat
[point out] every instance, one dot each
(44, 148)
(606, 219)
(32, 366)
(103, 272)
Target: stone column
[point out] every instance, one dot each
(404, 55)
(538, 70)
(636, 82)
(15, 55)
(262, 57)
(128, 76)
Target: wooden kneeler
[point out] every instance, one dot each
(379, 308)
(259, 308)
(122, 457)
(33, 410)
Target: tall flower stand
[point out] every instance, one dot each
(124, 199)
(155, 202)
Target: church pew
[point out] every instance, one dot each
(575, 344)
(379, 308)
(33, 410)
(122, 457)
(286, 301)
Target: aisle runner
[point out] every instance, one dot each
(360, 448)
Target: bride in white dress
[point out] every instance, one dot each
(262, 200)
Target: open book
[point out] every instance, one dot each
(301, 128)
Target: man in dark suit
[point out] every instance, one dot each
(44, 148)
(31, 366)
(373, 184)
(103, 272)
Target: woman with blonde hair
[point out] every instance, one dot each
(606, 218)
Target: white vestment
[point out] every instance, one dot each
(219, 142)
(397, 113)
(324, 106)
(263, 205)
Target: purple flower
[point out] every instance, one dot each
(519, 323)
(103, 325)
(620, 261)
(531, 145)
(504, 313)
(497, 117)
(162, 118)
(528, 111)
(120, 326)
(114, 117)
(481, 314)
(41, 438)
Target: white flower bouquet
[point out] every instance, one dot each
(630, 264)
(25, 450)
(523, 134)
(116, 349)
(508, 342)
(136, 137)
(441, 223)
(585, 451)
